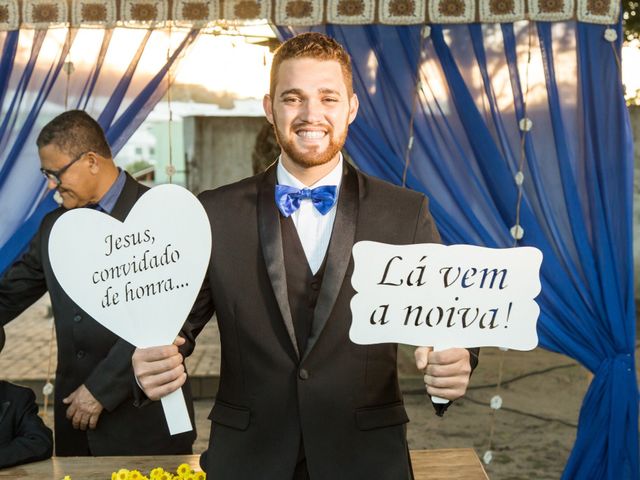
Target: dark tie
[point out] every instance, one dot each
(288, 198)
(96, 207)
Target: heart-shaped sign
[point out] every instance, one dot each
(138, 278)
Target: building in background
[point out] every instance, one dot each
(217, 149)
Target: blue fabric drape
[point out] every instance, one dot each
(476, 84)
(33, 90)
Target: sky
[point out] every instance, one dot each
(243, 68)
(229, 63)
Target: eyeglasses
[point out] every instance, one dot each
(54, 175)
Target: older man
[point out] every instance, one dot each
(94, 410)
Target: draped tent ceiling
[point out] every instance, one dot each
(15, 14)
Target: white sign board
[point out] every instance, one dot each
(445, 296)
(139, 278)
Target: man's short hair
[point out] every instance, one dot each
(74, 132)
(312, 45)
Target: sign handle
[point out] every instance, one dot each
(176, 413)
(439, 400)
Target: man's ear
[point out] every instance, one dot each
(353, 108)
(94, 162)
(268, 108)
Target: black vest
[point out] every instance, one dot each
(303, 287)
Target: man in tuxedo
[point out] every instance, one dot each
(297, 399)
(24, 437)
(94, 406)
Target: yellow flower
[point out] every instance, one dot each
(134, 475)
(165, 476)
(66, 477)
(122, 474)
(156, 473)
(114, 476)
(199, 476)
(183, 470)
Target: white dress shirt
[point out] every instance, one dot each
(314, 229)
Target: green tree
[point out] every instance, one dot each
(137, 166)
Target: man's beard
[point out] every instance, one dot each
(312, 158)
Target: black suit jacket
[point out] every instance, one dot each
(89, 353)
(23, 436)
(342, 399)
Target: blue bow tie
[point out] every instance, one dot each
(288, 198)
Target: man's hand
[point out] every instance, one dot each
(84, 410)
(159, 370)
(446, 371)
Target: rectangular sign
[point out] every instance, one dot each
(445, 296)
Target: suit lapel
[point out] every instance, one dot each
(338, 253)
(271, 241)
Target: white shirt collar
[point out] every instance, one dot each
(334, 177)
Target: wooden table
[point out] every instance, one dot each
(455, 463)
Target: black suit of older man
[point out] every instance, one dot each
(90, 354)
